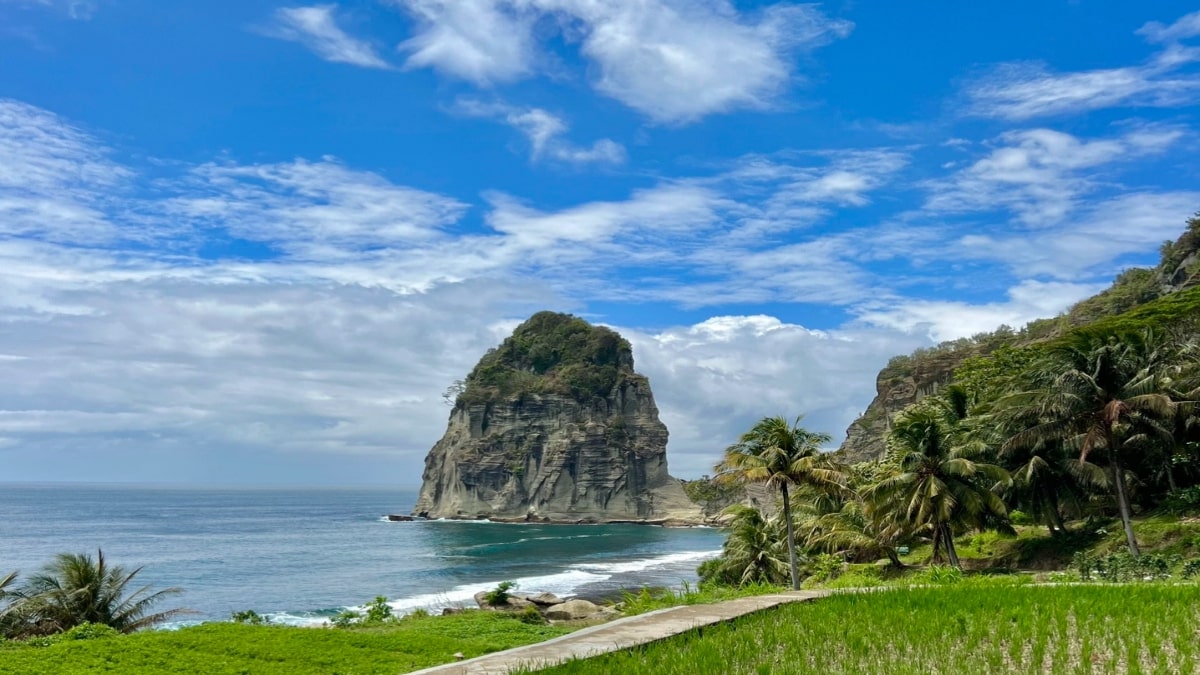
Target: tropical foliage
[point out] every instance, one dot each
(77, 589)
(782, 454)
(1090, 416)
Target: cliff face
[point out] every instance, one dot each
(897, 387)
(573, 437)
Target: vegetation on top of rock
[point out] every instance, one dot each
(550, 353)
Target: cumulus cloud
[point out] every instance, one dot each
(545, 132)
(673, 61)
(316, 28)
(714, 379)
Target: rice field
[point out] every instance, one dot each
(1144, 628)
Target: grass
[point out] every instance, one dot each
(1034, 549)
(649, 600)
(234, 649)
(1148, 628)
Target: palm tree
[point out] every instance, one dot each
(781, 454)
(76, 588)
(937, 487)
(753, 550)
(1102, 394)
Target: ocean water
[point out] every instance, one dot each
(300, 556)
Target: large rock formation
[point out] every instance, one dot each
(555, 426)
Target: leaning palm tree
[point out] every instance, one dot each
(76, 588)
(1102, 394)
(781, 454)
(937, 487)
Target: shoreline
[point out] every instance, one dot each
(680, 523)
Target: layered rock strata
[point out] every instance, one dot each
(543, 434)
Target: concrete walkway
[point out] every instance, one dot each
(619, 634)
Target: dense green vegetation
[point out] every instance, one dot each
(954, 629)
(550, 353)
(231, 648)
(1091, 424)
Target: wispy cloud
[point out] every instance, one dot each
(316, 28)
(180, 344)
(1184, 27)
(673, 61)
(76, 9)
(1040, 174)
(1020, 91)
(545, 132)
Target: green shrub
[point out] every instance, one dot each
(90, 631)
(1123, 567)
(500, 594)
(825, 567)
(248, 616)
(1190, 569)
(1020, 518)
(530, 615)
(938, 574)
(378, 611)
(1183, 500)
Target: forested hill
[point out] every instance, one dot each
(1162, 296)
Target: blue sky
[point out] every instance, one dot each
(253, 242)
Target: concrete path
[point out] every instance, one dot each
(619, 634)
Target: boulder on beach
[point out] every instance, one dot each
(575, 610)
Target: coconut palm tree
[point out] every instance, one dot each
(937, 487)
(753, 551)
(781, 454)
(77, 588)
(1102, 394)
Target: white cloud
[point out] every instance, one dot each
(335, 345)
(671, 60)
(1184, 27)
(482, 41)
(316, 28)
(950, 319)
(312, 209)
(55, 181)
(715, 379)
(1039, 174)
(1019, 91)
(545, 132)
(1091, 239)
(677, 61)
(76, 9)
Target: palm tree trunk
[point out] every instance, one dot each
(1170, 476)
(951, 552)
(791, 537)
(1056, 522)
(1123, 504)
(937, 536)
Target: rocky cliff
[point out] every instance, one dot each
(908, 379)
(555, 426)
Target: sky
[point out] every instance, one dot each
(253, 243)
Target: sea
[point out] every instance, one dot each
(301, 555)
